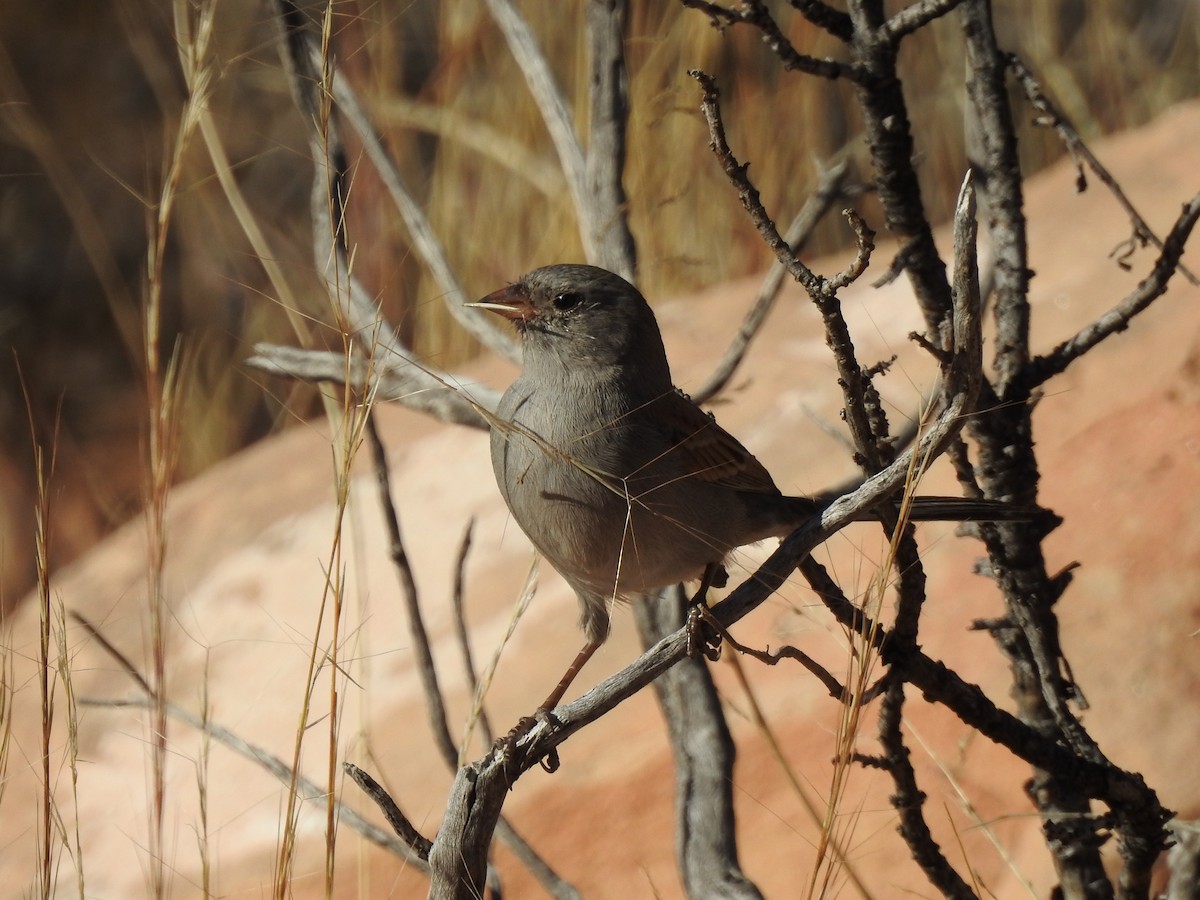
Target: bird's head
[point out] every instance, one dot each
(578, 316)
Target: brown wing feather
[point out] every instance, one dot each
(711, 453)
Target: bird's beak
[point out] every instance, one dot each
(509, 302)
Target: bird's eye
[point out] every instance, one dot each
(566, 301)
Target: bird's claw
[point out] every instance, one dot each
(508, 744)
(702, 636)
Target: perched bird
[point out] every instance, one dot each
(620, 481)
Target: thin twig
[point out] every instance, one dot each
(460, 627)
(408, 833)
(1081, 153)
(435, 703)
(388, 377)
(815, 208)
(756, 14)
(1118, 318)
(747, 192)
(834, 687)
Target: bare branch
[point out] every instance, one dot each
(310, 72)
(1000, 171)
(719, 16)
(434, 699)
(963, 366)
(1052, 117)
(756, 14)
(888, 134)
(747, 193)
(815, 208)
(1118, 318)
(425, 240)
(553, 106)
(704, 755)
(855, 383)
(460, 628)
(864, 238)
(825, 16)
(1183, 861)
(405, 829)
(909, 800)
(392, 378)
(611, 242)
(768, 657)
(916, 16)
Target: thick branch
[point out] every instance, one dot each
(1001, 172)
(889, 136)
(704, 752)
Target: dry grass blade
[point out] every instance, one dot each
(969, 808)
(830, 843)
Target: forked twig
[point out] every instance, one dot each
(1052, 117)
(835, 688)
(1117, 319)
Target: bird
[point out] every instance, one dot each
(620, 481)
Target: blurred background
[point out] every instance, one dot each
(90, 101)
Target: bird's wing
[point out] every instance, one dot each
(709, 452)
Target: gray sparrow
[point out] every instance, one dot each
(620, 481)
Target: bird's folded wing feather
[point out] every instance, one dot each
(710, 453)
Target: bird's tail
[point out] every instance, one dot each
(960, 509)
(942, 509)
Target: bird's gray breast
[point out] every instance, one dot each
(598, 490)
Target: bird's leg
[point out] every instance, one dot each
(526, 724)
(572, 670)
(701, 636)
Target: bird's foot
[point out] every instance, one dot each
(703, 633)
(507, 745)
(703, 637)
